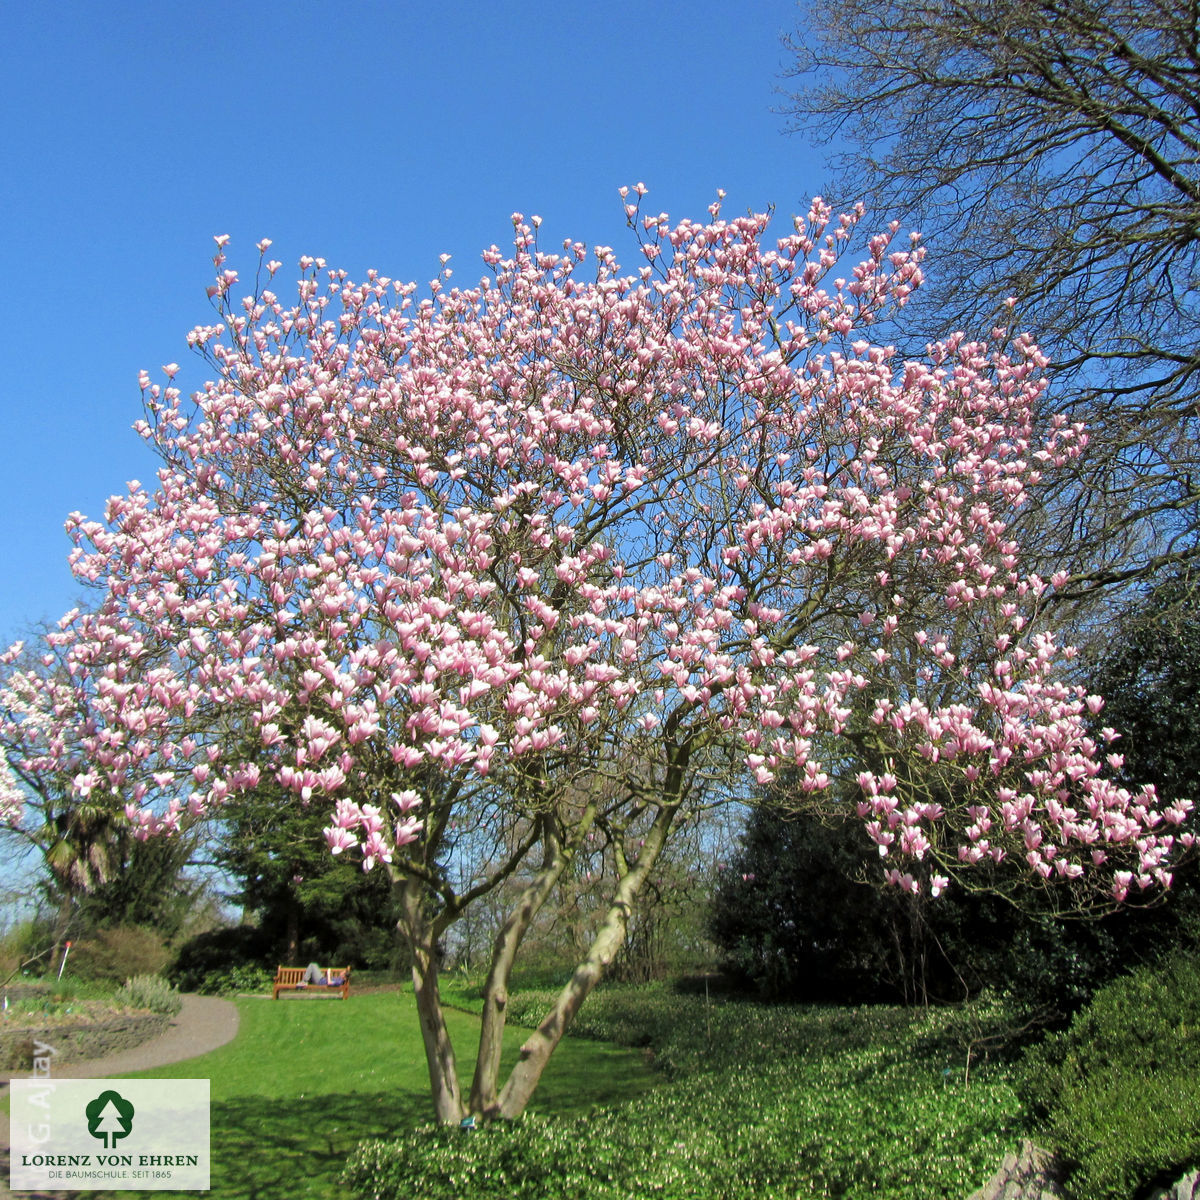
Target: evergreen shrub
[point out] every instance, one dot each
(205, 960)
(1118, 1093)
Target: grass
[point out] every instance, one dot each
(305, 1081)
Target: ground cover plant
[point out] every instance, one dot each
(760, 1101)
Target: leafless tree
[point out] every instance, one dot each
(1049, 151)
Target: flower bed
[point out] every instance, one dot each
(78, 1030)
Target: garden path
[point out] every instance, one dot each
(203, 1024)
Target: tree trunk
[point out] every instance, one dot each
(293, 931)
(439, 1052)
(485, 1085)
(536, 1051)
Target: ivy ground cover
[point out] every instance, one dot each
(757, 1102)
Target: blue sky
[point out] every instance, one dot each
(373, 134)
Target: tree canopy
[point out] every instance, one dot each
(494, 569)
(1150, 677)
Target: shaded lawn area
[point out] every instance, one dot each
(306, 1080)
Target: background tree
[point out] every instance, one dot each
(796, 915)
(1149, 668)
(574, 551)
(151, 882)
(310, 906)
(97, 872)
(1050, 152)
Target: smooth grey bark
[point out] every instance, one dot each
(439, 1051)
(485, 1085)
(538, 1047)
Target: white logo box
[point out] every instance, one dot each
(123, 1134)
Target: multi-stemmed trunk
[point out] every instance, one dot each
(487, 1099)
(484, 1099)
(538, 1047)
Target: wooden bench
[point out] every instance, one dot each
(291, 979)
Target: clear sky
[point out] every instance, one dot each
(374, 134)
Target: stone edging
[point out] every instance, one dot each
(1030, 1173)
(1026, 1174)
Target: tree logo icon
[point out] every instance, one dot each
(109, 1117)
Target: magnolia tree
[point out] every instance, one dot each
(42, 716)
(48, 804)
(491, 571)
(12, 797)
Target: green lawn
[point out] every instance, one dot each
(305, 1081)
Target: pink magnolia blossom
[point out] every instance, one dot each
(469, 549)
(12, 798)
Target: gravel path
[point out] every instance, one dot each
(203, 1024)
